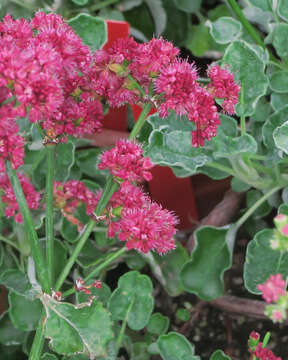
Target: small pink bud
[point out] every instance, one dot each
(97, 284)
(284, 230)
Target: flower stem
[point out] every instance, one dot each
(49, 225)
(221, 168)
(10, 242)
(140, 121)
(250, 29)
(252, 32)
(30, 230)
(38, 341)
(109, 189)
(250, 211)
(137, 85)
(100, 267)
(124, 324)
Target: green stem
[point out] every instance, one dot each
(140, 121)
(250, 29)
(250, 211)
(109, 189)
(221, 167)
(103, 4)
(9, 242)
(100, 267)
(242, 117)
(123, 326)
(38, 342)
(30, 229)
(137, 85)
(252, 32)
(49, 225)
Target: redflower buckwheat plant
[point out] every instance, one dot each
(54, 91)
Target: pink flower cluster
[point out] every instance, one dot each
(9, 199)
(223, 86)
(273, 288)
(68, 196)
(42, 63)
(156, 65)
(257, 350)
(126, 161)
(143, 224)
(264, 353)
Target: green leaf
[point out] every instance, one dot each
(233, 147)
(103, 294)
(283, 9)
(16, 281)
(89, 255)
(278, 81)
(87, 161)
(68, 230)
(25, 314)
(279, 39)
(274, 121)
(80, 2)
(263, 110)
(178, 23)
(248, 69)
(91, 29)
(139, 351)
(203, 274)
(159, 15)
(280, 136)
(188, 5)
(170, 265)
(158, 324)
(278, 101)
(238, 185)
(136, 288)
(263, 5)
(9, 335)
(134, 260)
(64, 160)
(47, 356)
(252, 197)
(175, 346)
(262, 261)
(198, 40)
(175, 150)
(219, 355)
(225, 30)
(74, 329)
(183, 314)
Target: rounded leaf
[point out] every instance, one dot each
(225, 30)
(91, 29)
(278, 81)
(283, 9)
(175, 346)
(158, 324)
(248, 69)
(262, 261)
(211, 257)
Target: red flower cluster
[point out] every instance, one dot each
(273, 288)
(9, 199)
(42, 63)
(223, 86)
(257, 350)
(126, 161)
(143, 224)
(155, 65)
(68, 196)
